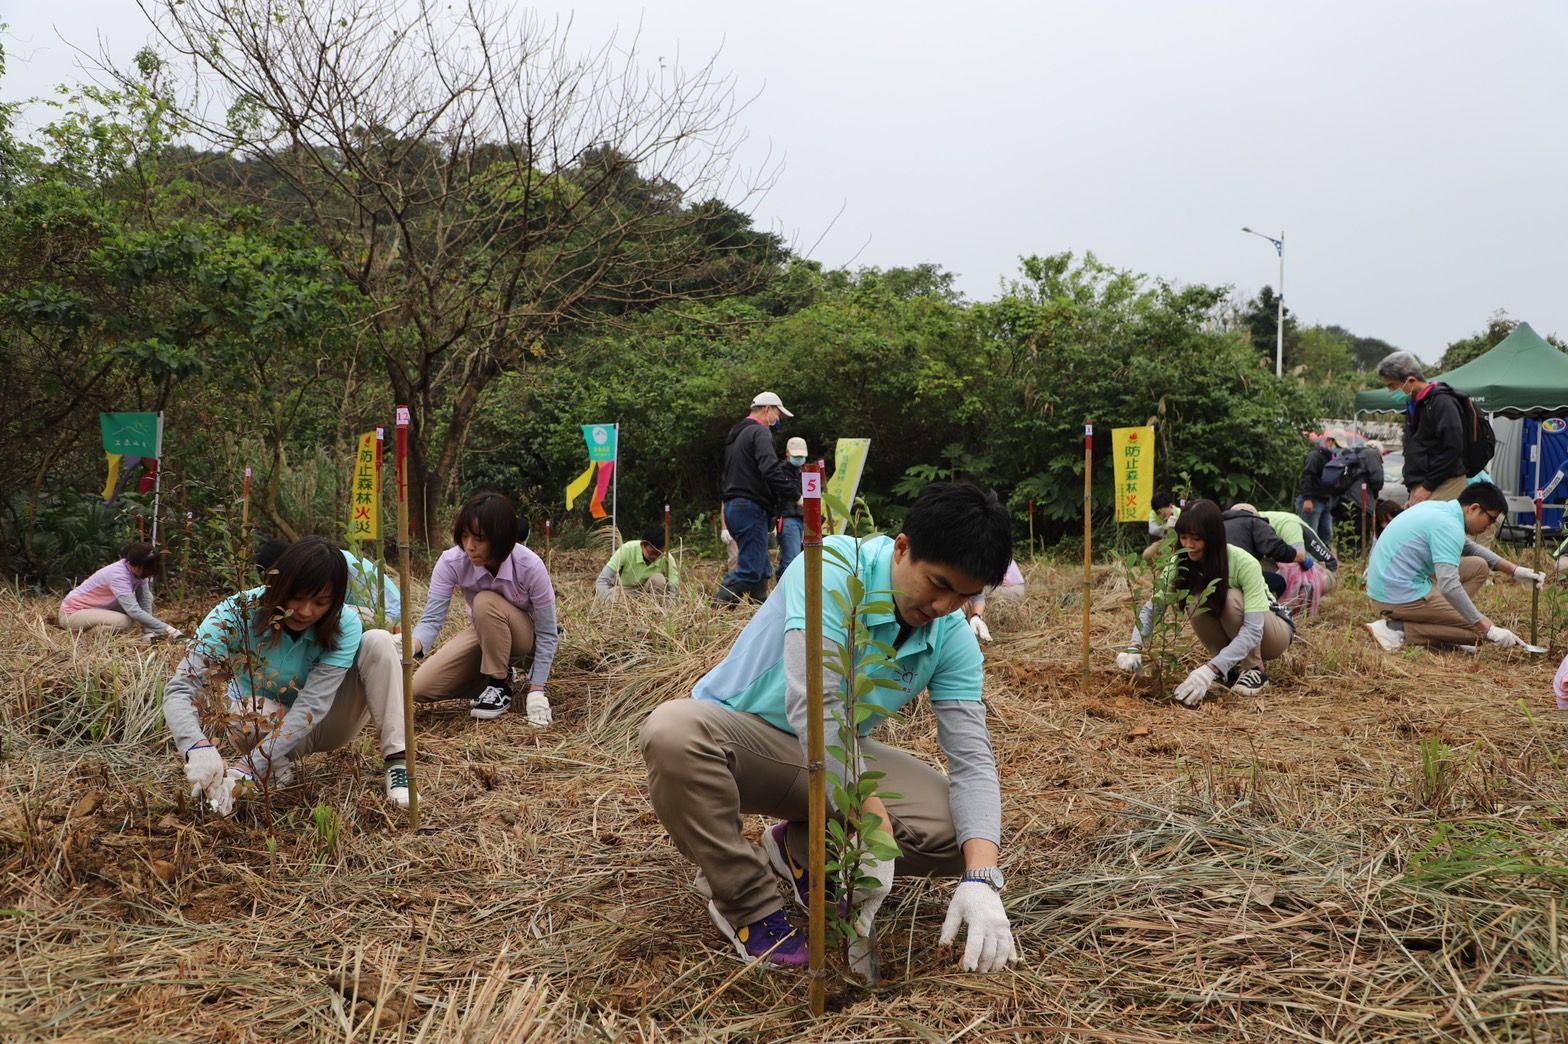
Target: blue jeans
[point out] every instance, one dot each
(1320, 518)
(747, 522)
(789, 543)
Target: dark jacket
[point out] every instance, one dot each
(1311, 482)
(1434, 439)
(1255, 536)
(1372, 469)
(790, 506)
(752, 468)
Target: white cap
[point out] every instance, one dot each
(769, 399)
(795, 447)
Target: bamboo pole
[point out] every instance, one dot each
(1088, 552)
(244, 529)
(1031, 526)
(1535, 591)
(667, 547)
(816, 736)
(403, 594)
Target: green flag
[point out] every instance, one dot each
(601, 440)
(132, 434)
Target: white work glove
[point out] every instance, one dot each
(203, 769)
(220, 798)
(1529, 577)
(537, 709)
(977, 625)
(868, 900)
(173, 634)
(989, 945)
(1131, 662)
(1503, 637)
(1192, 691)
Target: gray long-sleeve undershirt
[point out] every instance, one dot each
(1246, 639)
(1447, 578)
(974, 792)
(309, 709)
(140, 610)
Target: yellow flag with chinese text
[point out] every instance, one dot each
(364, 502)
(1132, 454)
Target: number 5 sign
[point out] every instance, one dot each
(811, 485)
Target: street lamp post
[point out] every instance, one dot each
(1279, 334)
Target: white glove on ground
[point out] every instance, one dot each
(977, 625)
(203, 769)
(1192, 691)
(1529, 577)
(1130, 662)
(537, 708)
(1503, 637)
(989, 946)
(868, 900)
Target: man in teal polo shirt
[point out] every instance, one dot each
(1425, 569)
(737, 746)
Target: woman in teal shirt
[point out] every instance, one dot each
(305, 676)
(1237, 622)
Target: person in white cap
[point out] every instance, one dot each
(792, 523)
(755, 483)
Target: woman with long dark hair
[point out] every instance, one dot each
(1228, 605)
(305, 676)
(119, 596)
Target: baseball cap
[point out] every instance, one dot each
(795, 447)
(769, 399)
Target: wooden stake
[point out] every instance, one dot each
(667, 547)
(1031, 525)
(816, 736)
(1088, 553)
(245, 530)
(404, 596)
(1535, 592)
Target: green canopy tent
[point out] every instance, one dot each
(1523, 376)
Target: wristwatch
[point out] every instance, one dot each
(991, 875)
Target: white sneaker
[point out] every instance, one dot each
(397, 783)
(1390, 639)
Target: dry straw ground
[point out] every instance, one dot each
(1373, 850)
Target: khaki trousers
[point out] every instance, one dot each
(84, 619)
(1216, 634)
(709, 765)
(372, 690)
(501, 634)
(1432, 620)
(1449, 489)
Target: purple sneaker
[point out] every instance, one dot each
(772, 938)
(786, 867)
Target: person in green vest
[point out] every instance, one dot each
(640, 565)
(1237, 622)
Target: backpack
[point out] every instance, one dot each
(1480, 441)
(1340, 469)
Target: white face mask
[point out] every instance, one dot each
(797, 460)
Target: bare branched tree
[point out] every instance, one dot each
(485, 188)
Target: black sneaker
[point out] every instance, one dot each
(1229, 679)
(1251, 682)
(494, 701)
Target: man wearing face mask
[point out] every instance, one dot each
(1434, 430)
(754, 481)
(793, 531)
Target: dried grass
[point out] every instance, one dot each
(1280, 868)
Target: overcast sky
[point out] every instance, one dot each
(1412, 152)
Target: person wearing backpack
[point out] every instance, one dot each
(1444, 431)
(1328, 470)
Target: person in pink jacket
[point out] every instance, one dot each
(119, 596)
